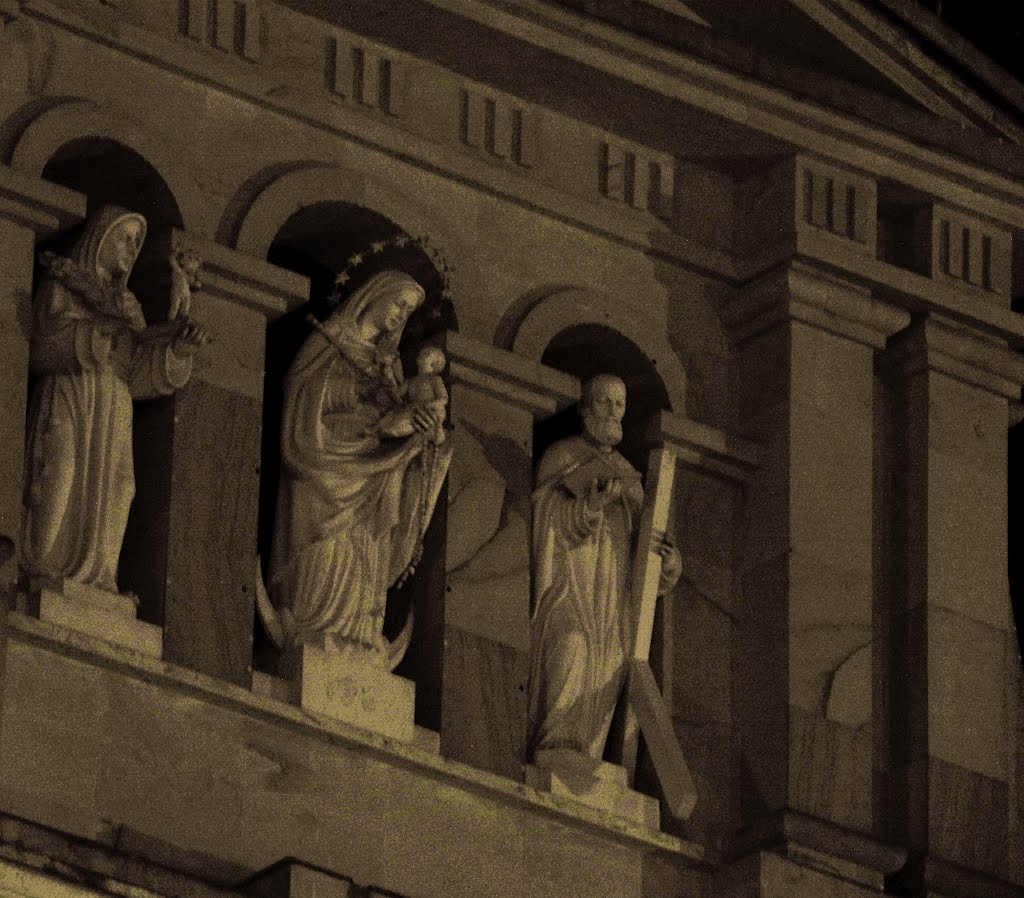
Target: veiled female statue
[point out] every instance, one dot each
(92, 355)
(362, 466)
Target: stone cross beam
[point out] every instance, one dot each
(647, 708)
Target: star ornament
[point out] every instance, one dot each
(378, 246)
(342, 278)
(401, 241)
(355, 259)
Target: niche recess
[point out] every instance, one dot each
(107, 172)
(318, 241)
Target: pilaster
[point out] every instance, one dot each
(955, 677)
(495, 398)
(190, 551)
(804, 650)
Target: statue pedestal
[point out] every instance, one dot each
(564, 771)
(105, 615)
(346, 688)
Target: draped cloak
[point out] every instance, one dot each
(583, 619)
(89, 367)
(351, 505)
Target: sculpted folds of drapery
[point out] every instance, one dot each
(354, 498)
(583, 620)
(92, 355)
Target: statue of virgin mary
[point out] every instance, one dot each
(354, 497)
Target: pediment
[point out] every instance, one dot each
(845, 53)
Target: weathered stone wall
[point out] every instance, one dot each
(839, 658)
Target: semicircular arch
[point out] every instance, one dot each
(307, 185)
(83, 119)
(561, 308)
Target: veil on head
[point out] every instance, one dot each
(380, 285)
(342, 326)
(87, 250)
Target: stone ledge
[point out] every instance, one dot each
(704, 447)
(942, 344)
(807, 838)
(508, 376)
(596, 784)
(494, 788)
(901, 287)
(235, 276)
(41, 205)
(942, 877)
(804, 292)
(46, 851)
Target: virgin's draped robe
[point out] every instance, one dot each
(89, 368)
(583, 615)
(351, 505)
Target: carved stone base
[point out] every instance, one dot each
(105, 615)
(599, 785)
(345, 688)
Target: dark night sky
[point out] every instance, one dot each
(994, 26)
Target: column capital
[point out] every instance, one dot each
(801, 292)
(535, 387)
(936, 343)
(38, 204)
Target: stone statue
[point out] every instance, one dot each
(427, 390)
(92, 354)
(585, 510)
(362, 466)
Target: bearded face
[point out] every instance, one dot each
(603, 410)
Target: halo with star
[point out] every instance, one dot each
(371, 255)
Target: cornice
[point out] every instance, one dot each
(802, 292)
(935, 343)
(41, 205)
(805, 125)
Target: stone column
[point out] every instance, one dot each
(804, 648)
(29, 208)
(955, 672)
(191, 547)
(486, 617)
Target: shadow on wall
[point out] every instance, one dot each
(702, 615)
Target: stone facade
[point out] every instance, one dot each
(792, 231)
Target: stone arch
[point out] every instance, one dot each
(543, 316)
(306, 185)
(82, 119)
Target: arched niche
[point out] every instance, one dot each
(586, 349)
(271, 199)
(319, 241)
(583, 350)
(534, 322)
(82, 120)
(108, 172)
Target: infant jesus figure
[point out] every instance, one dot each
(427, 391)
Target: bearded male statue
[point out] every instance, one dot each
(586, 509)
